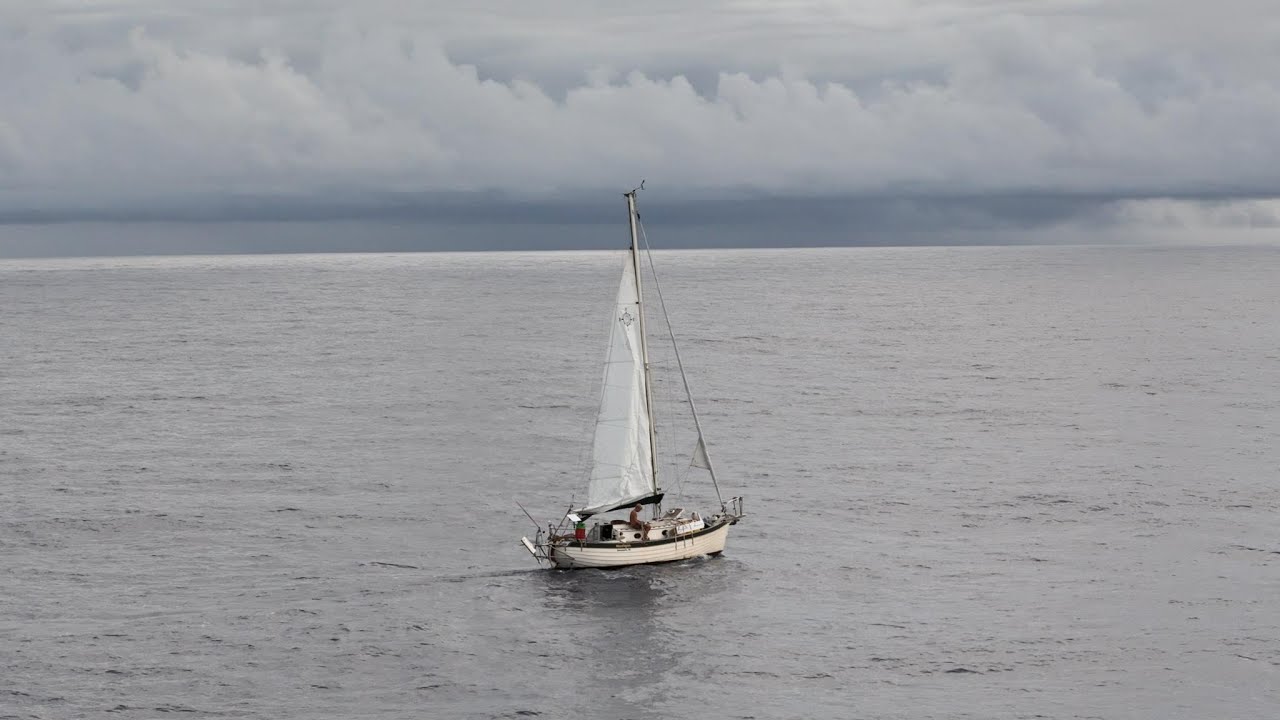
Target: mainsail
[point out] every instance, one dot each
(622, 453)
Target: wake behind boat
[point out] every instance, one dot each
(624, 472)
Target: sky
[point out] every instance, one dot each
(282, 125)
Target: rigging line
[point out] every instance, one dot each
(665, 396)
(675, 347)
(526, 514)
(668, 413)
(667, 406)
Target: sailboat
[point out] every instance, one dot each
(624, 471)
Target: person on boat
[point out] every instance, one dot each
(635, 521)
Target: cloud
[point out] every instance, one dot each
(130, 108)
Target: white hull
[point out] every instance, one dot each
(574, 555)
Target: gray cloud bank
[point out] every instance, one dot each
(923, 114)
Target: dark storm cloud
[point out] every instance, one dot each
(488, 221)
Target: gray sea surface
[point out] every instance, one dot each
(1006, 482)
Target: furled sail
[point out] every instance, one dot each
(622, 469)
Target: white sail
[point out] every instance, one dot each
(700, 457)
(622, 470)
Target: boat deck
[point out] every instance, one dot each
(619, 531)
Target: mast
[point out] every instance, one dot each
(644, 341)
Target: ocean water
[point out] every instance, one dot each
(982, 483)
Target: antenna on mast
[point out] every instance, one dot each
(636, 189)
